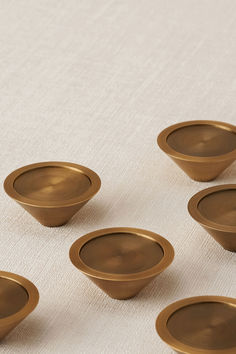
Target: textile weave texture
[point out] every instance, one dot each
(93, 82)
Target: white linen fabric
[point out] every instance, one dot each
(93, 82)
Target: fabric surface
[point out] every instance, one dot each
(93, 82)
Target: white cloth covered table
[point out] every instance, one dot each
(93, 82)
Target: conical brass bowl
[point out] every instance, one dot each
(199, 325)
(52, 192)
(121, 261)
(18, 298)
(214, 208)
(201, 148)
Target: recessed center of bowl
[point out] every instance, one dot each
(13, 297)
(121, 253)
(51, 183)
(207, 325)
(219, 207)
(202, 140)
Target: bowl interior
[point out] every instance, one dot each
(13, 297)
(202, 140)
(121, 253)
(219, 207)
(204, 325)
(52, 183)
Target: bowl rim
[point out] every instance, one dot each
(162, 141)
(166, 260)
(196, 215)
(164, 315)
(33, 298)
(91, 175)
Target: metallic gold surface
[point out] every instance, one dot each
(121, 261)
(202, 148)
(202, 140)
(215, 209)
(112, 253)
(202, 324)
(12, 297)
(52, 192)
(52, 184)
(18, 298)
(219, 207)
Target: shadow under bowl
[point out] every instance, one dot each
(18, 298)
(199, 325)
(121, 261)
(201, 148)
(214, 208)
(52, 192)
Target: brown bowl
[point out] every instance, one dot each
(199, 325)
(18, 298)
(52, 192)
(121, 261)
(215, 209)
(201, 148)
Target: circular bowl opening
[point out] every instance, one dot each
(207, 325)
(202, 324)
(52, 184)
(200, 140)
(121, 254)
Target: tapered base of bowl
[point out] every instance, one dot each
(226, 239)
(4, 331)
(202, 171)
(121, 290)
(53, 217)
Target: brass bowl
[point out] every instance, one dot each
(201, 148)
(215, 209)
(121, 261)
(18, 298)
(52, 192)
(199, 325)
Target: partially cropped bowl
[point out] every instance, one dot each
(18, 298)
(121, 261)
(52, 192)
(214, 208)
(201, 148)
(199, 325)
